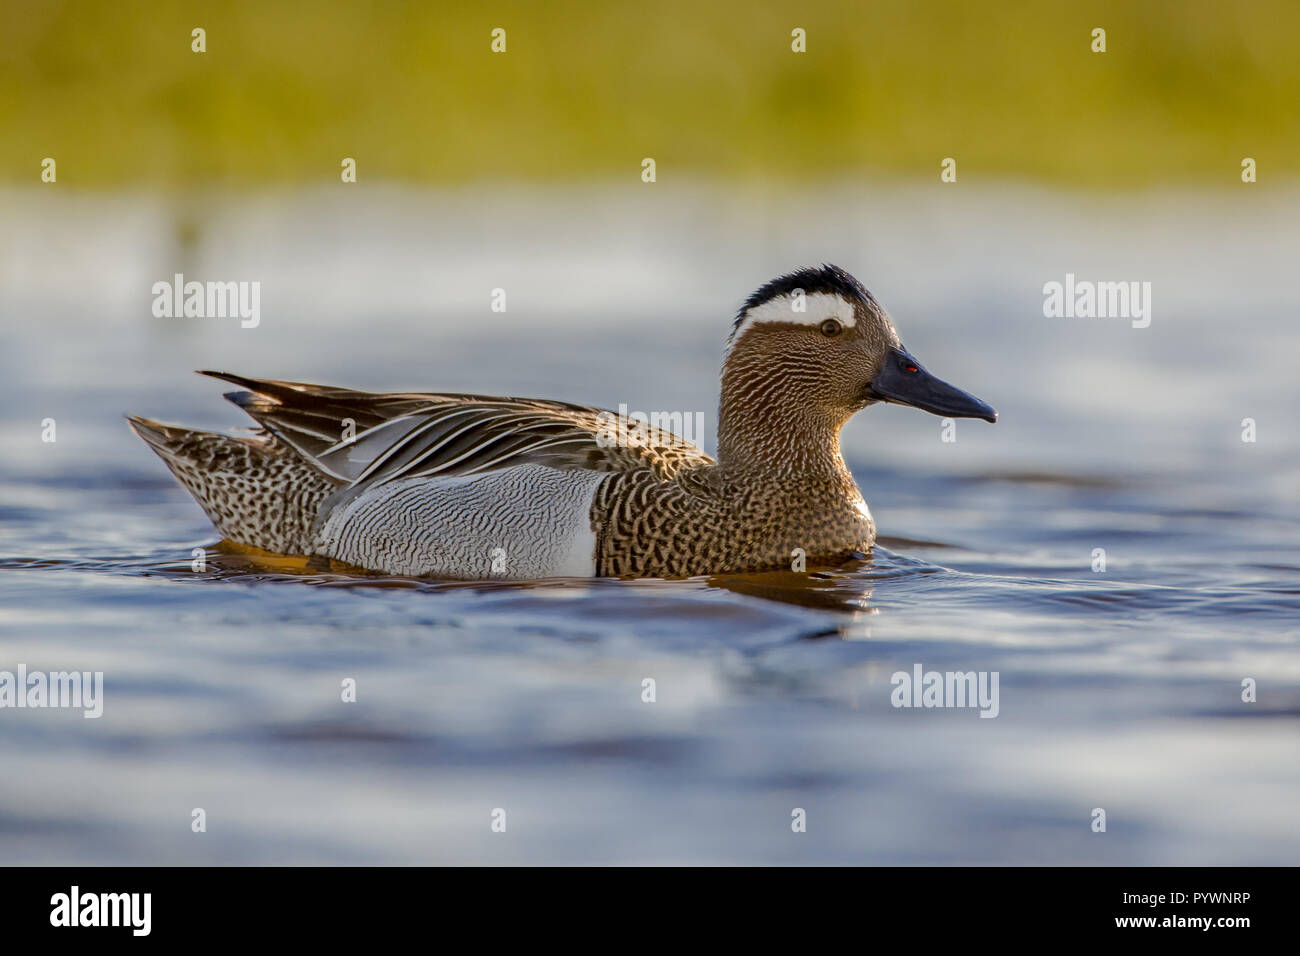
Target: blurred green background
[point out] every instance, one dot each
(285, 90)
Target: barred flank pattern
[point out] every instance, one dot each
(700, 522)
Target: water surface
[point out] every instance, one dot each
(1119, 689)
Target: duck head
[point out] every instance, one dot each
(811, 348)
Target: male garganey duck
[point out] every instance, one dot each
(473, 487)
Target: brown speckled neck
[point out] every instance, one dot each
(771, 425)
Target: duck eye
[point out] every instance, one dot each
(831, 327)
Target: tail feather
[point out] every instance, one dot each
(161, 438)
(255, 489)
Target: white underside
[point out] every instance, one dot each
(528, 521)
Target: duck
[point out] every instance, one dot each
(475, 487)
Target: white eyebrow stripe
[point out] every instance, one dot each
(818, 307)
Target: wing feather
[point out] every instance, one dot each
(414, 434)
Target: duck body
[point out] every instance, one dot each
(532, 521)
(477, 487)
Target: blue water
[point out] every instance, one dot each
(1119, 689)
